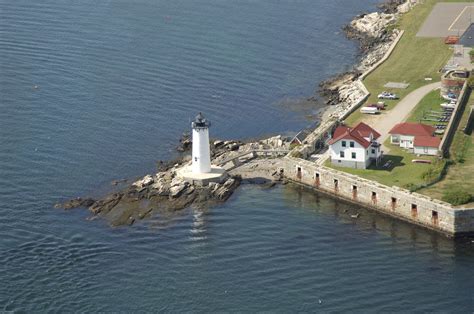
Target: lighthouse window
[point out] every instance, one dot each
(195, 159)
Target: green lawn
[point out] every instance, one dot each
(403, 172)
(431, 102)
(460, 175)
(412, 60)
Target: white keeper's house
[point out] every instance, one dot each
(355, 147)
(417, 138)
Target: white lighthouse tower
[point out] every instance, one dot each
(200, 172)
(201, 152)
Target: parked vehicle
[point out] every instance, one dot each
(450, 97)
(369, 110)
(379, 105)
(387, 95)
(450, 105)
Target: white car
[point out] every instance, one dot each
(387, 95)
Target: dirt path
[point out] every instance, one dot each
(384, 122)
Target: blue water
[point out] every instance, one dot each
(117, 82)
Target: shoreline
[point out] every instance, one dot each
(371, 32)
(166, 191)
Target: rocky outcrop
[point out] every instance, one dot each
(372, 33)
(397, 6)
(165, 191)
(373, 25)
(143, 199)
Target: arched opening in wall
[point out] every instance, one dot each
(414, 211)
(317, 181)
(336, 185)
(394, 203)
(354, 192)
(434, 217)
(374, 197)
(298, 173)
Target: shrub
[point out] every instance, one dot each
(470, 81)
(435, 172)
(456, 197)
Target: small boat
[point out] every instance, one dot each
(421, 161)
(450, 97)
(450, 105)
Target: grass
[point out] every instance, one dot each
(460, 175)
(412, 60)
(432, 102)
(402, 172)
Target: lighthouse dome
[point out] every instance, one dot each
(201, 122)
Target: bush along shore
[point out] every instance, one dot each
(374, 32)
(166, 192)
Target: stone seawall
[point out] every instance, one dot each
(455, 119)
(394, 201)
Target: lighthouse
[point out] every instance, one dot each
(201, 157)
(199, 171)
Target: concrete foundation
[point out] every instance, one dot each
(217, 174)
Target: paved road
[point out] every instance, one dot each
(384, 122)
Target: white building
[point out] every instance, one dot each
(355, 147)
(417, 138)
(201, 157)
(200, 172)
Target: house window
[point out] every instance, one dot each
(373, 151)
(341, 154)
(353, 155)
(425, 149)
(351, 144)
(343, 143)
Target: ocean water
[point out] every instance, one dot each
(92, 91)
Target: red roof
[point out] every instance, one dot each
(356, 134)
(365, 130)
(427, 141)
(414, 129)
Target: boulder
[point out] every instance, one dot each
(146, 181)
(177, 189)
(105, 205)
(373, 24)
(76, 202)
(218, 144)
(160, 187)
